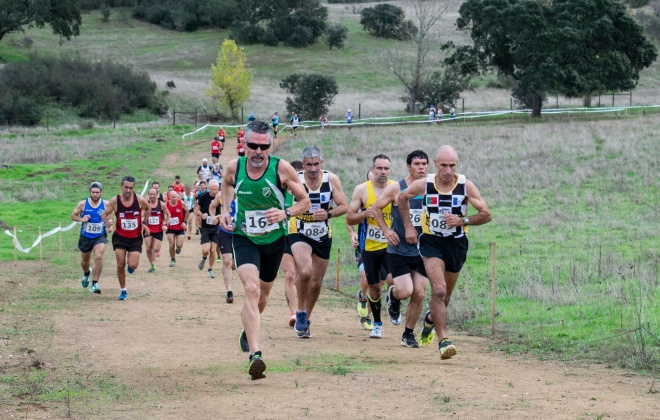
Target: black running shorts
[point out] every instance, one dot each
(453, 251)
(86, 244)
(266, 258)
(320, 249)
(225, 242)
(208, 234)
(400, 265)
(127, 244)
(375, 262)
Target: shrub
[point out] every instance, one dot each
(248, 34)
(387, 21)
(105, 12)
(312, 94)
(335, 35)
(99, 90)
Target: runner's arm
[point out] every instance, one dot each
(290, 180)
(75, 215)
(388, 196)
(227, 193)
(109, 209)
(353, 215)
(415, 189)
(483, 215)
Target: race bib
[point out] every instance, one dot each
(315, 230)
(375, 234)
(438, 224)
(174, 221)
(93, 227)
(257, 224)
(129, 224)
(209, 220)
(154, 220)
(416, 217)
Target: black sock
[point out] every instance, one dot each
(426, 319)
(94, 282)
(230, 294)
(407, 331)
(210, 269)
(256, 353)
(204, 258)
(88, 272)
(375, 309)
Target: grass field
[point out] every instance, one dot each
(575, 202)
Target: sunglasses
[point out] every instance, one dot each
(255, 146)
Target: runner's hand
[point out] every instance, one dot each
(411, 235)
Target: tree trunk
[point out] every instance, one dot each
(537, 103)
(586, 101)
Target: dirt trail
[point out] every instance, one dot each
(173, 344)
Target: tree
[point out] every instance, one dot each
(442, 87)
(230, 79)
(63, 16)
(312, 94)
(386, 21)
(414, 72)
(335, 35)
(575, 48)
(297, 23)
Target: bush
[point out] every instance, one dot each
(335, 35)
(18, 109)
(98, 90)
(188, 15)
(105, 12)
(300, 37)
(312, 94)
(637, 3)
(387, 21)
(248, 34)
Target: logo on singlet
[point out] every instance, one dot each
(266, 191)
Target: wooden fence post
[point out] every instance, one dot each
(338, 269)
(15, 255)
(492, 290)
(41, 253)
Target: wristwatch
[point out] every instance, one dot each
(329, 213)
(287, 212)
(466, 220)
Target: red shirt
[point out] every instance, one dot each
(240, 148)
(240, 135)
(155, 220)
(221, 134)
(215, 147)
(176, 215)
(178, 187)
(129, 222)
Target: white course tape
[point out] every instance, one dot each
(40, 237)
(54, 231)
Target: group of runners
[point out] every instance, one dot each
(267, 213)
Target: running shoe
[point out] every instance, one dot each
(426, 336)
(178, 250)
(365, 321)
(123, 295)
(307, 333)
(201, 264)
(152, 269)
(230, 297)
(129, 269)
(408, 340)
(301, 322)
(85, 278)
(189, 237)
(393, 306)
(172, 263)
(377, 331)
(243, 343)
(95, 288)
(257, 367)
(292, 320)
(362, 309)
(447, 349)
(219, 259)
(211, 274)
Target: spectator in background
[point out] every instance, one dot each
(324, 122)
(276, 121)
(251, 117)
(349, 118)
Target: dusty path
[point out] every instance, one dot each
(171, 352)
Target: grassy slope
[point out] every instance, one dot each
(575, 203)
